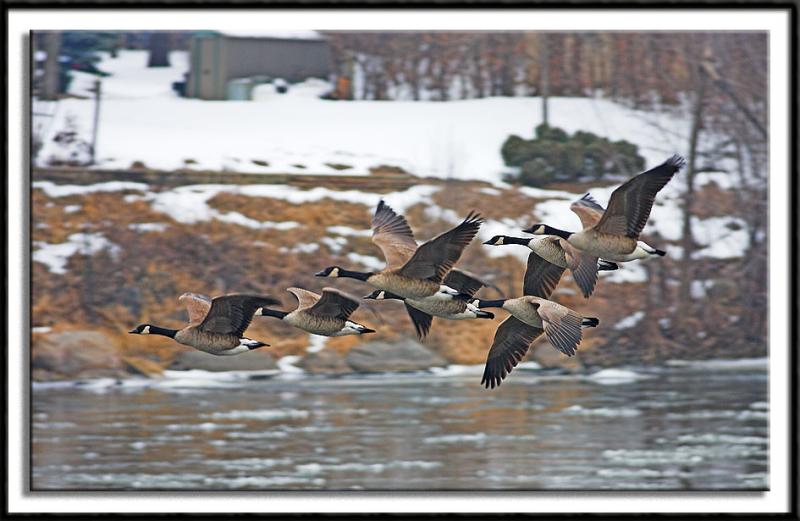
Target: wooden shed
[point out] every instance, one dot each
(216, 58)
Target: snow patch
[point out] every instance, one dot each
(348, 231)
(56, 256)
(316, 343)
(372, 263)
(629, 321)
(724, 237)
(55, 190)
(148, 227)
(286, 365)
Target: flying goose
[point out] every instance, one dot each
(326, 315)
(557, 251)
(216, 325)
(615, 236)
(423, 310)
(392, 234)
(531, 315)
(411, 271)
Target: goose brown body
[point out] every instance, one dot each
(216, 326)
(412, 271)
(316, 325)
(421, 311)
(395, 282)
(608, 246)
(210, 342)
(325, 315)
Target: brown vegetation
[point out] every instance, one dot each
(140, 282)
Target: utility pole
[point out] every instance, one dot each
(96, 90)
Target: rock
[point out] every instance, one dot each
(257, 360)
(76, 354)
(143, 366)
(325, 361)
(545, 355)
(403, 355)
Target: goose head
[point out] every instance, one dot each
(382, 295)
(141, 329)
(539, 229)
(330, 271)
(497, 240)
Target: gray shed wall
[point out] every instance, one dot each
(221, 59)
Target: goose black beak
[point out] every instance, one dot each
(133, 332)
(528, 230)
(489, 242)
(320, 274)
(367, 330)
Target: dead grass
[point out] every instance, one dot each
(320, 214)
(142, 283)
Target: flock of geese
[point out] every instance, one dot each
(424, 278)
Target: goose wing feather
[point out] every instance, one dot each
(561, 325)
(231, 314)
(541, 277)
(197, 306)
(588, 210)
(421, 320)
(392, 234)
(464, 282)
(583, 267)
(334, 303)
(511, 341)
(305, 298)
(436, 257)
(631, 203)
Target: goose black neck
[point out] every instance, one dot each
(515, 240)
(273, 313)
(155, 330)
(360, 275)
(549, 230)
(491, 303)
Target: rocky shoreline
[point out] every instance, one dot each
(76, 355)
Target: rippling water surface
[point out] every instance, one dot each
(693, 427)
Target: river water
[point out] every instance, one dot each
(686, 427)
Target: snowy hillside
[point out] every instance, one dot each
(141, 119)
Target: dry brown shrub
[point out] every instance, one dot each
(319, 214)
(464, 198)
(711, 201)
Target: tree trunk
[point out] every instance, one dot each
(544, 74)
(159, 49)
(51, 87)
(691, 168)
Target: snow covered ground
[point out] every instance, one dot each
(141, 119)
